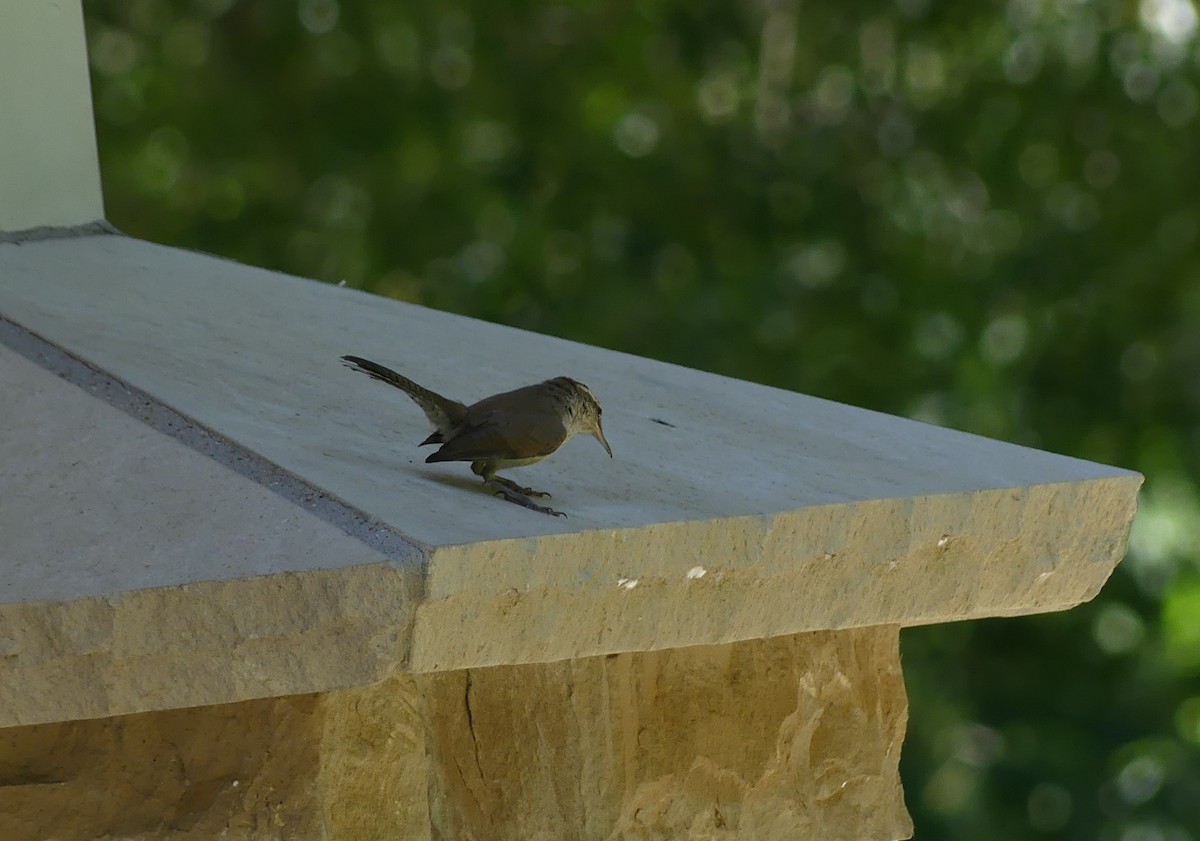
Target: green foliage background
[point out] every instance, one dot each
(985, 215)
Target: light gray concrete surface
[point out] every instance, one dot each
(730, 511)
(106, 504)
(254, 355)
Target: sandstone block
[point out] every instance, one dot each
(787, 738)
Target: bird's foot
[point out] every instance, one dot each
(514, 495)
(523, 491)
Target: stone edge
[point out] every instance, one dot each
(208, 643)
(1052, 548)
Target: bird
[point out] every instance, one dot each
(511, 429)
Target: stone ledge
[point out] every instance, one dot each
(168, 648)
(904, 562)
(112, 600)
(754, 513)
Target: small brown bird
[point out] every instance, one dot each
(505, 430)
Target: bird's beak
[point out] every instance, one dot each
(599, 433)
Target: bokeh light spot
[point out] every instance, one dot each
(636, 134)
(1049, 807)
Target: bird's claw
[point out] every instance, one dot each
(517, 495)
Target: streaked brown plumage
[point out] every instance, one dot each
(505, 430)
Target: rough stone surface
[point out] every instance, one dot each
(168, 647)
(376, 767)
(236, 771)
(789, 738)
(904, 561)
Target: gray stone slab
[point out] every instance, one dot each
(96, 502)
(254, 355)
(731, 510)
(138, 573)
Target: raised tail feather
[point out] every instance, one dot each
(445, 414)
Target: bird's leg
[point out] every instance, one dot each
(510, 490)
(513, 486)
(513, 494)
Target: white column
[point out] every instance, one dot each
(49, 171)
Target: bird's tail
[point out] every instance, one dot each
(445, 414)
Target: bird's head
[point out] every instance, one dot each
(587, 414)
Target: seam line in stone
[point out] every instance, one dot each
(397, 547)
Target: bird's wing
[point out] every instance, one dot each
(532, 436)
